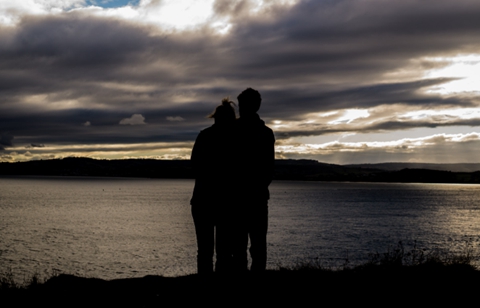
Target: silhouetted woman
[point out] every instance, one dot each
(212, 194)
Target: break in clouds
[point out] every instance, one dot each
(342, 81)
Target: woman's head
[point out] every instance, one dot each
(225, 112)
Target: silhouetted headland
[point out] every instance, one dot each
(297, 170)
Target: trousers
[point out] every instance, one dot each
(251, 224)
(213, 232)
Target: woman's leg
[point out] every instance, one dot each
(204, 230)
(223, 240)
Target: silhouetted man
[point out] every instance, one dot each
(254, 159)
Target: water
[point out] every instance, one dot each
(115, 228)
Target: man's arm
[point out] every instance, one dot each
(270, 157)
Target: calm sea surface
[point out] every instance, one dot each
(115, 228)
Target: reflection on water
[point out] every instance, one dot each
(340, 220)
(112, 228)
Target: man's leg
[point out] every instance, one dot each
(239, 240)
(257, 229)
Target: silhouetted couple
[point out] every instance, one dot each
(233, 162)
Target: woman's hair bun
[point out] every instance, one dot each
(225, 109)
(227, 102)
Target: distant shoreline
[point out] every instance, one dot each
(293, 170)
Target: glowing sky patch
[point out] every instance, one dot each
(464, 113)
(350, 115)
(179, 14)
(102, 151)
(406, 144)
(464, 67)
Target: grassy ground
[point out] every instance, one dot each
(393, 278)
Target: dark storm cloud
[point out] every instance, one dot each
(346, 39)
(5, 140)
(69, 56)
(292, 104)
(59, 72)
(67, 127)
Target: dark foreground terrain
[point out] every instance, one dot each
(375, 285)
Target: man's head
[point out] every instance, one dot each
(249, 101)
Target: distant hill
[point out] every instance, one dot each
(300, 170)
(73, 166)
(463, 167)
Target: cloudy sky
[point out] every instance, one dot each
(342, 81)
